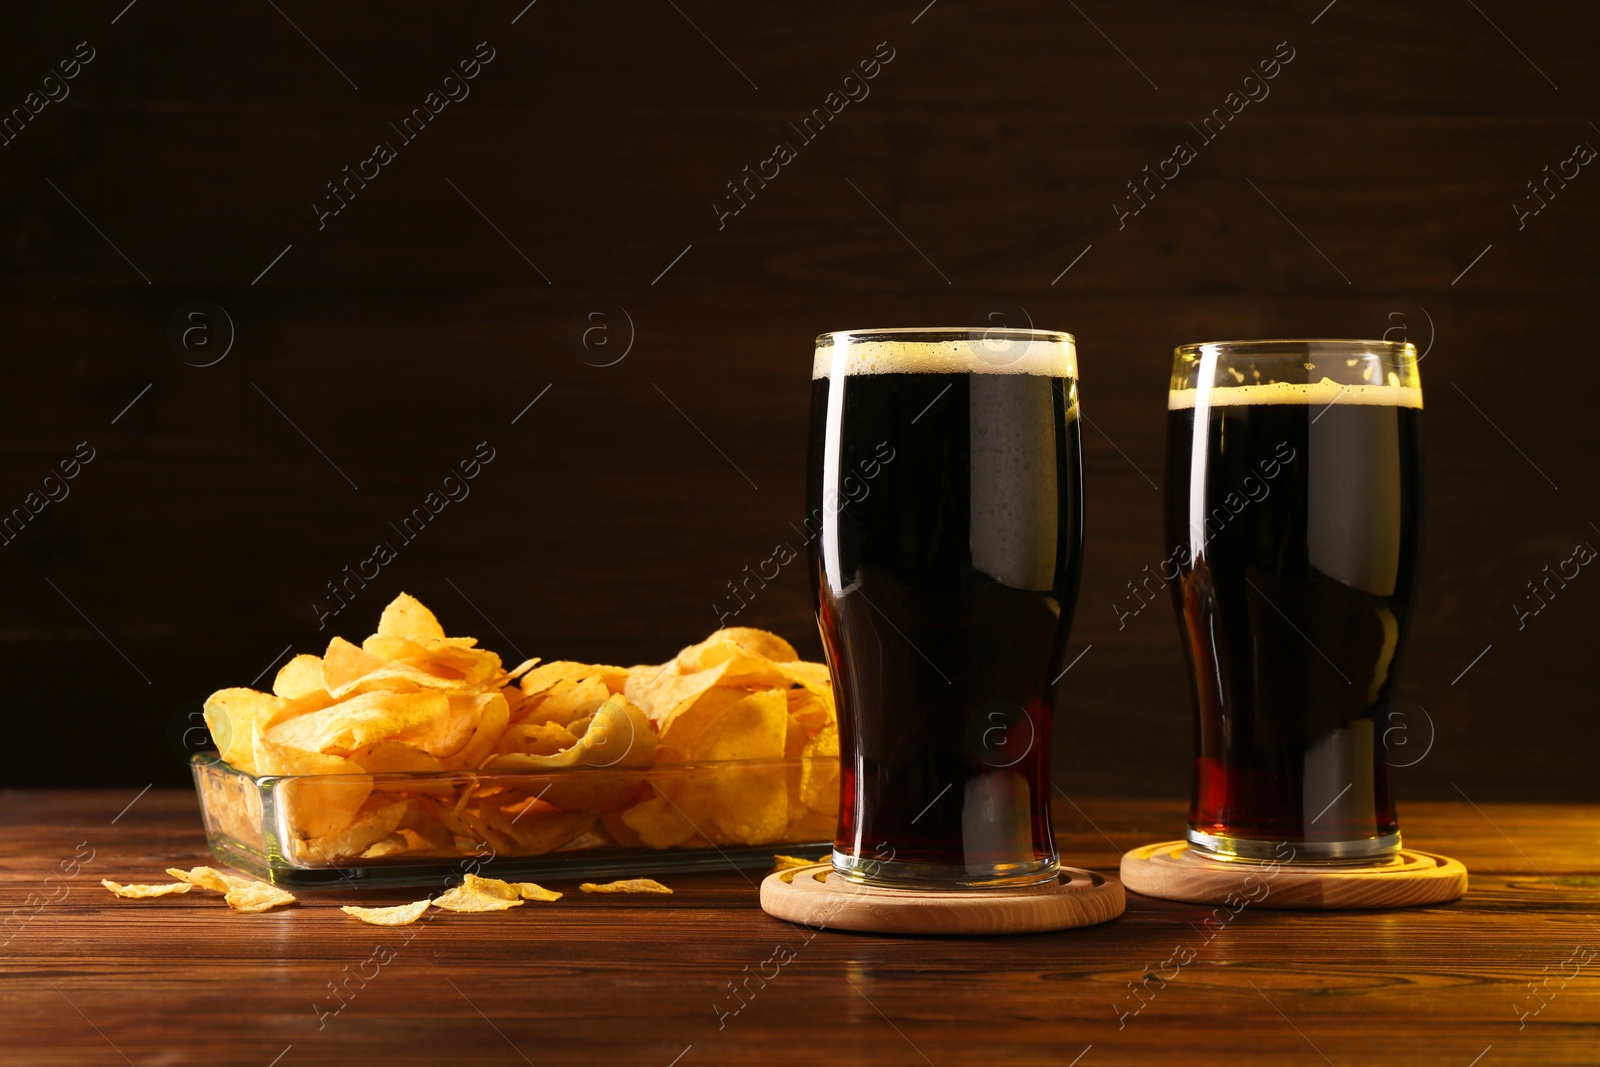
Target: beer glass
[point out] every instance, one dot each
(1292, 506)
(945, 510)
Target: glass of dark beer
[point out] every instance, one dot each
(1292, 505)
(945, 510)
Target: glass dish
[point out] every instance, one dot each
(593, 823)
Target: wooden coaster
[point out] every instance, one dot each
(1172, 871)
(818, 897)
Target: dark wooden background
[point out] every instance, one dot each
(377, 352)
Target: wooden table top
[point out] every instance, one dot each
(1508, 975)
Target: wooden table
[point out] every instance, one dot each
(1504, 976)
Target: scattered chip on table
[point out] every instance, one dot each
(144, 892)
(478, 895)
(626, 885)
(400, 915)
(257, 896)
(789, 863)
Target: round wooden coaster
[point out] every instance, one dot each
(1172, 871)
(818, 897)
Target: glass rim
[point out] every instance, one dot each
(1266, 347)
(926, 333)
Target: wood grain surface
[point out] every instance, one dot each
(1507, 975)
(1372, 191)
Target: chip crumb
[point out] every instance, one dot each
(626, 885)
(400, 915)
(144, 892)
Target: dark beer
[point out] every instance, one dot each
(1292, 519)
(945, 573)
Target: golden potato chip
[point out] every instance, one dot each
(144, 892)
(618, 735)
(566, 700)
(450, 731)
(400, 915)
(393, 845)
(301, 676)
(664, 695)
(531, 891)
(808, 825)
(789, 863)
(518, 671)
(626, 885)
(736, 643)
(464, 898)
(257, 896)
(314, 807)
(231, 716)
(362, 720)
(394, 757)
(537, 681)
(490, 887)
(658, 823)
(344, 664)
(808, 709)
(207, 878)
(406, 617)
(535, 739)
(376, 820)
(494, 714)
(751, 727)
(819, 778)
(814, 676)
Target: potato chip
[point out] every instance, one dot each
(663, 696)
(314, 807)
(400, 915)
(231, 716)
(535, 739)
(375, 821)
(144, 892)
(740, 643)
(494, 714)
(544, 678)
(492, 887)
(789, 863)
(394, 757)
(406, 617)
(466, 899)
(752, 727)
(626, 885)
(658, 823)
(363, 720)
(531, 891)
(300, 677)
(207, 878)
(819, 778)
(257, 896)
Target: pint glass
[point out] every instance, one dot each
(1292, 501)
(945, 487)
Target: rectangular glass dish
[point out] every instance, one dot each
(592, 823)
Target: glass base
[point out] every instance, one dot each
(1363, 852)
(898, 874)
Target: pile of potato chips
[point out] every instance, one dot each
(527, 761)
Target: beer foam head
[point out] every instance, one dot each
(1312, 394)
(953, 351)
